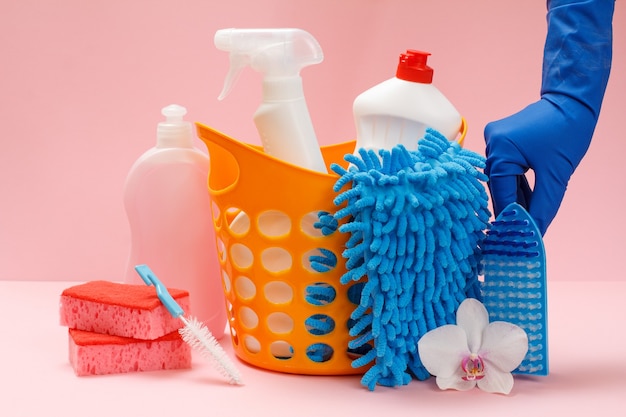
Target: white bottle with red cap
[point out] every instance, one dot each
(398, 110)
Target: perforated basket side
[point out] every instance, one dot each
(284, 315)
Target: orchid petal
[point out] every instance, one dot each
(474, 351)
(496, 381)
(504, 346)
(472, 316)
(442, 349)
(455, 381)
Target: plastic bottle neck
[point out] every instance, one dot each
(282, 88)
(174, 135)
(174, 131)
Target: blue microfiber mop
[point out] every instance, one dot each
(416, 221)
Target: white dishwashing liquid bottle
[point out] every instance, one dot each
(169, 212)
(398, 110)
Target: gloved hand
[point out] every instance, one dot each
(552, 135)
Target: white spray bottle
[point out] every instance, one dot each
(283, 119)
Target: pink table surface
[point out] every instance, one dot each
(587, 361)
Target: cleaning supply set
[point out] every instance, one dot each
(353, 252)
(405, 205)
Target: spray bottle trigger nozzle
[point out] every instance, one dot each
(237, 63)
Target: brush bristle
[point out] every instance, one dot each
(200, 338)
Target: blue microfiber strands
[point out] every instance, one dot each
(514, 287)
(416, 221)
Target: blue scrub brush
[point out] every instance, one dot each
(194, 332)
(514, 288)
(416, 220)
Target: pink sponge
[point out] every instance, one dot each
(119, 309)
(99, 354)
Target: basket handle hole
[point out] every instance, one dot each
(320, 294)
(319, 324)
(241, 256)
(280, 323)
(320, 260)
(252, 344)
(274, 223)
(278, 292)
(237, 220)
(245, 288)
(319, 352)
(276, 259)
(281, 350)
(248, 318)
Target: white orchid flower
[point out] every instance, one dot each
(474, 351)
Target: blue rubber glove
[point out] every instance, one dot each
(552, 135)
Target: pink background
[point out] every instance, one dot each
(82, 84)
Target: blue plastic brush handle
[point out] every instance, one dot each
(515, 284)
(150, 278)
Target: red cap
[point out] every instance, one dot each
(412, 67)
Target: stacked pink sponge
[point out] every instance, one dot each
(117, 328)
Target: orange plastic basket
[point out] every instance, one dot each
(264, 211)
